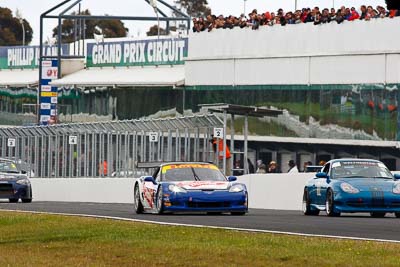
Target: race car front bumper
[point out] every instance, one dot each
(367, 201)
(206, 201)
(14, 190)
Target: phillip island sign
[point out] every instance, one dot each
(26, 57)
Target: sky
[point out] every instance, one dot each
(31, 10)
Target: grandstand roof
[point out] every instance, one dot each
(19, 78)
(152, 76)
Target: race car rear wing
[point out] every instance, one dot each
(148, 165)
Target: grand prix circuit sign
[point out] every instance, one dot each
(138, 53)
(26, 57)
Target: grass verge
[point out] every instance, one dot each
(49, 240)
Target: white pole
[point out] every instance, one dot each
(18, 15)
(158, 24)
(153, 3)
(244, 7)
(295, 5)
(23, 31)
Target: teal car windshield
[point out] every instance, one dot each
(360, 169)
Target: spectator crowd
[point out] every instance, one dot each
(306, 15)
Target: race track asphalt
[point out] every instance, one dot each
(354, 226)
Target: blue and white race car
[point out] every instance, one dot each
(353, 185)
(189, 187)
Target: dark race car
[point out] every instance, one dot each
(14, 182)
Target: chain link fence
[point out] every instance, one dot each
(108, 149)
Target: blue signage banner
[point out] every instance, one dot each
(48, 93)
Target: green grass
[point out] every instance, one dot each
(47, 240)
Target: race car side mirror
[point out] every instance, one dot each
(149, 179)
(232, 178)
(321, 175)
(397, 176)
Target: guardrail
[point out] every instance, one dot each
(107, 149)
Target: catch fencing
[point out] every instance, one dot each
(109, 149)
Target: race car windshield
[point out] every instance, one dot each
(192, 173)
(8, 167)
(360, 170)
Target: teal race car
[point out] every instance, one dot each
(353, 185)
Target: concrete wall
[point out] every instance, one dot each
(367, 37)
(266, 191)
(272, 191)
(275, 191)
(101, 190)
(350, 53)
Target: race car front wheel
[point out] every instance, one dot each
(397, 214)
(330, 205)
(238, 213)
(138, 202)
(28, 200)
(160, 201)
(13, 200)
(378, 214)
(307, 205)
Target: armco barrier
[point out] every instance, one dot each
(266, 191)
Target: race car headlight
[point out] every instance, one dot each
(236, 188)
(348, 188)
(176, 189)
(396, 188)
(23, 181)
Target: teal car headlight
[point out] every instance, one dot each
(348, 188)
(396, 188)
(176, 189)
(236, 188)
(23, 182)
